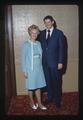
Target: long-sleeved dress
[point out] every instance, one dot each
(32, 65)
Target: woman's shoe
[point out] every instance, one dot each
(34, 107)
(41, 107)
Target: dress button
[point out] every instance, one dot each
(46, 48)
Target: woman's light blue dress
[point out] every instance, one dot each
(32, 64)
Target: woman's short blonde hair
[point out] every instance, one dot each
(33, 27)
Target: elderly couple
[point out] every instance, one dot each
(42, 62)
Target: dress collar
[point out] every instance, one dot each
(30, 41)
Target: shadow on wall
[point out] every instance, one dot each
(65, 55)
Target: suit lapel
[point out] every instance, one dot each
(45, 38)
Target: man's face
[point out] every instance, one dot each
(48, 23)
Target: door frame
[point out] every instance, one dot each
(10, 78)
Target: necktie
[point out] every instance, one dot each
(48, 36)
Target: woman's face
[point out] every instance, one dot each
(33, 34)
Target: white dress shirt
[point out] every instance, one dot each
(51, 30)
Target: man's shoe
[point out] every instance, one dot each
(58, 108)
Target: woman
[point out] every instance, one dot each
(32, 67)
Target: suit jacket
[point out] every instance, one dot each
(53, 53)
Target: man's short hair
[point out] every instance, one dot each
(48, 17)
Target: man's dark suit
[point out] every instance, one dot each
(53, 53)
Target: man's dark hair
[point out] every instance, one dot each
(51, 18)
(48, 17)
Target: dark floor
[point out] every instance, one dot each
(70, 106)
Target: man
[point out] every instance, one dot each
(52, 42)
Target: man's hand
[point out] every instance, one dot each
(60, 66)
